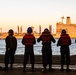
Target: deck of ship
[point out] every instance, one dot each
(18, 66)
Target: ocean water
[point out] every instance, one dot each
(37, 48)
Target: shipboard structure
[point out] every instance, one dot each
(69, 27)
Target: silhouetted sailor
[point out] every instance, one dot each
(64, 41)
(29, 40)
(46, 39)
(11, 45)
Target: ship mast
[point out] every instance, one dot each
(62, 19)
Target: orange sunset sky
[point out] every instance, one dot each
(26, 13)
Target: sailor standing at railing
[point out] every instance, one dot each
(11, 45)
(46, 39)
(64, 41)
(28, 40)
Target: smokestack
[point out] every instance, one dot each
(32, 29)
(18, 29)
(39, 29)
(50, 28)
(0, 30)
(68, 21)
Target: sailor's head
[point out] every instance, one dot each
(11, 32)
(46, 30)
(63, 31)
(29, 30)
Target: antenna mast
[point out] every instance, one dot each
(62, 19)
